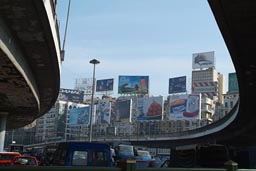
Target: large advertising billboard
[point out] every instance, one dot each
(104, 85)
(133, 84)
(185, 107)
(63, 109)
(103, 112)
(71, 95)
(232, 83)
(84, 84)
(79, 116)
(208, 89)
(203, 60)
(123, 110)
(150, 108)
(177, 85)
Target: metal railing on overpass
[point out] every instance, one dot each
(151, 135)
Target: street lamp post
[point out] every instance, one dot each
(94, 62)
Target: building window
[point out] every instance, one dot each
(231, 104)
(226, 104)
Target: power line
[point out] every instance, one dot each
(65, 34)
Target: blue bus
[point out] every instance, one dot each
(83, 154)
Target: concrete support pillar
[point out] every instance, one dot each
(3, 117)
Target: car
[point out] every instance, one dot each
(143, 163)
(7, 157)
(143, 155)
(152, 163)
(165, 164)
(24, 161)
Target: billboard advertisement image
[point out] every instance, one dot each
(63, 108)
(133, 84)
(150, 108)
(208, 89)
(104, 85)
(71, 95)
(203, 60)
(232, 83)
(84, 84)
(177, 85)
(79, 116)
(103, 112)
(185, 107)
(123, 110)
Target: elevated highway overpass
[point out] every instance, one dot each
(29, 61)
(30, 69)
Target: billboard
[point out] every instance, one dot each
(123, 110)
(63, 108)
(232, 83)
(185, 107)
(177, 85)
(203, 60)
(84, 84)
(104, 85)
(133, 84)
(150, 108)
(103, 112)
(208, 89)
(71, 95)
(79, 116)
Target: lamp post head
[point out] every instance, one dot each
(94, 61)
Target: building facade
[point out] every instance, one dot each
(211, 85)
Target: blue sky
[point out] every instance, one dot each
(138, 37)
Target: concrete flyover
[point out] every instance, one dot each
(236, 20)
(29, 60)
(30, 69)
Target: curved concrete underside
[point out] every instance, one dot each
(237, 23)
(29, 61)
